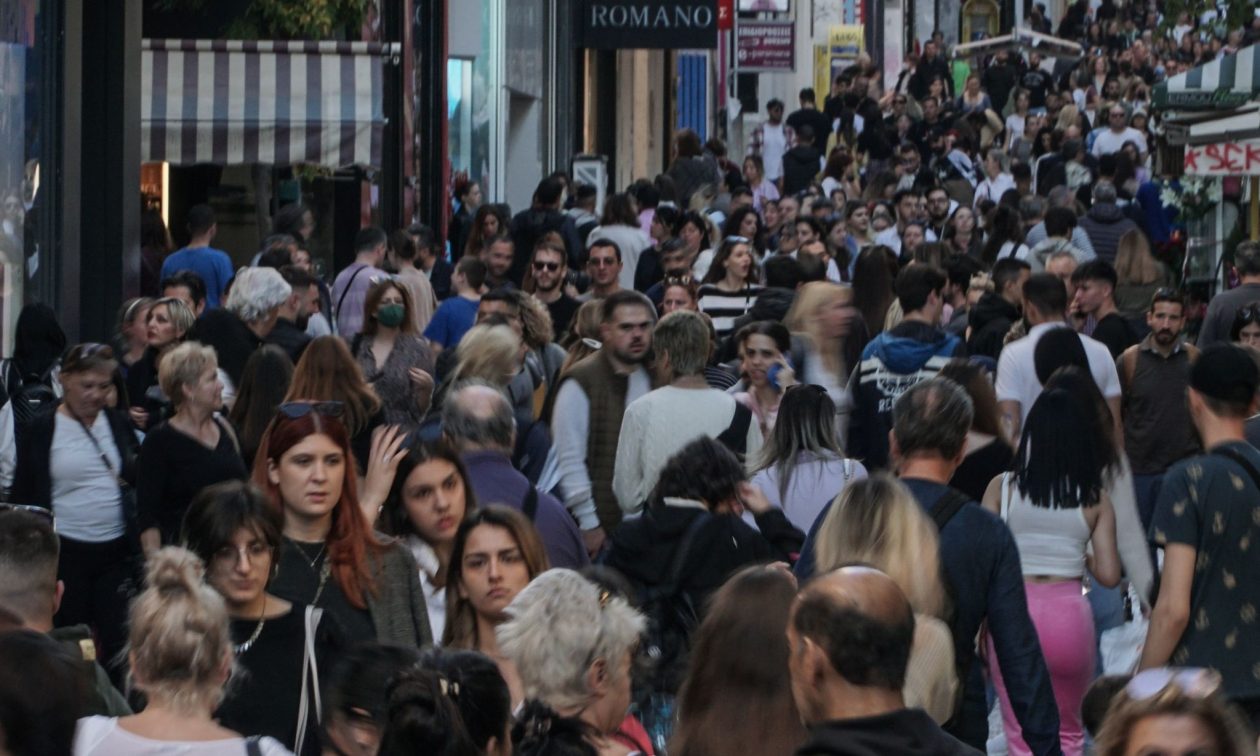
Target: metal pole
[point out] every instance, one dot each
(1254, 216)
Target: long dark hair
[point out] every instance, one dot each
(725, 681)
(986, 418)
(1079, 383)
(1066, 472)
(264, 382)
(805, 423)
(450, 704)
(873, 278)
(394, 520)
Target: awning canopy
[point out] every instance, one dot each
(1021, 40)
(232, 102)
(1211, 127)
(1226, 82)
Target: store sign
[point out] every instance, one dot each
(766, 46)
(1224, 159)
(647, 24)
(726, 15)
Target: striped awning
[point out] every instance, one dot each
(1020, 41)
(1226, 82)
(232, 102)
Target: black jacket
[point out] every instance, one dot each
(643, 548)
(290, 338)
(800, 167)
(907, 732)
(32, 479)
(440, 279)
(991, 319)
(231, 339)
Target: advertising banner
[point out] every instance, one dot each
(766, 46)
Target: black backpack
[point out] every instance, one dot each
(29, 394)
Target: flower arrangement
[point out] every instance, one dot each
(1192, 196)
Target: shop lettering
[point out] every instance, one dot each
(622, 16)
(1225, 159)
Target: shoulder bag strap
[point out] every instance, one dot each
(99, 449)
(252, 746)
(304, 702)
(1005, 508)
(341, 300)
(1241, 461)
(947, 506)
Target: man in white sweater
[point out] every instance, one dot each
(665, 420)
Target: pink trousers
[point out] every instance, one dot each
(1065, 627)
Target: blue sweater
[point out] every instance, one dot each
(985, 582)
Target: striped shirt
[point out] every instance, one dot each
(725, 306)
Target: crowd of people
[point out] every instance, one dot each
(871, 443)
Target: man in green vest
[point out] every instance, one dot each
(29, 588)
(586, 420)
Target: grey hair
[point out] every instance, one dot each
(1032, 208)
(683, 336)
(933, 416)
(463, 425)
(558, 627)
(1104, 191)
(1060, 196)
(256, 292)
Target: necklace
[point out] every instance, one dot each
(241, 648)
(323, 571)
(312, 561)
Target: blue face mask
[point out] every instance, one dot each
(391, 315)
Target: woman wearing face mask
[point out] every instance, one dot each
(330, 557)
(396, 360)
(497, 552)
(280, 647)
(431, 496)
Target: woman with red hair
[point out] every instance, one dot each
(330, 556)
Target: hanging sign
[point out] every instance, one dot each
(647, 24)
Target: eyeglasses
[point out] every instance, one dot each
(295, 410)
(31, 509)
(1195, 682)
(551, 266)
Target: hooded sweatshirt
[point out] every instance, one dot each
(906, 732)
(991, 318)
(1037, 256)
(1106, 223)
(893, 362)
(801, 165)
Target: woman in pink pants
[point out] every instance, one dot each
(1055, 505)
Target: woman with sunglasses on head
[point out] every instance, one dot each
(330, 556)
(731, 285)
(396, 360)
(328, 373)
(497, 552)
(1172, 710)
(430, 497)
(283, 649)
(745, 221)
(194, 449)
(679, 293)
(78, 461)
(167, 324)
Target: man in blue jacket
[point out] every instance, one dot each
(913, 351)
(980, 563)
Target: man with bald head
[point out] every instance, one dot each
(849, 639)
(477, 420)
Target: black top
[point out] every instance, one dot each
(562, 311)
(980, 467)
(265, 692)
(290, 338)
(298, 578)
(1116, 333)
(815, 119)
(231, 338)
(143, 390)
(174, 467)
(905, 732)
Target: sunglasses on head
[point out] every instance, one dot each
(295, 410)
(86, 351)
(31, 509)
(737, 240)
(683, 280)
(1194, 682)
(551, 266)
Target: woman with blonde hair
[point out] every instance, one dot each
(166, 325)
(877, 521)
(328, 372)
(1139, 275)
(196, 448)
(1182, 705)
(824, 320)
(180, 654)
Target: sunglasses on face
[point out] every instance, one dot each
(551, 266)
(295, 410)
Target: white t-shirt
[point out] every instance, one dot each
(1017, 376)
(773, 145)
(1109, 141)
(101, 736)
(85, 495)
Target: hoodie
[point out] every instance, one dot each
(801, 165)
(893, 362)
(1106, 223)
(991, 318)
(906, 732)
(1037, 256)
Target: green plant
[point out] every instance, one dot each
(286, 19)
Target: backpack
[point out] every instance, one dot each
(942, 512)
(28, 394)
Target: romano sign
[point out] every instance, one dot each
(630, 24)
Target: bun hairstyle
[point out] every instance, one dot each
(450, 704)
(179, 643)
